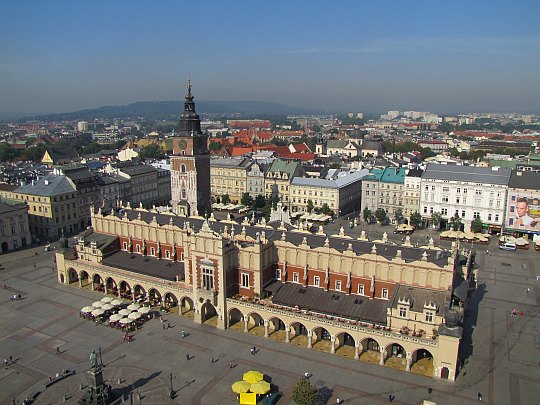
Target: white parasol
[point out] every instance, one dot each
(134, 315)
(117, 302)
(124, 312)
(125, 321)
(107, 307)
(97, 304)
(106, 299)
(98, 311)
(144, 310)
(115, 317)
(134, 306)
(87, 309)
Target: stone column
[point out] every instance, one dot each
(356, 350)
(309, 339)
(287, 334)
(92, 284)
(105, 288)
(80, 282)
(246, 319)
(383, 355)
(409, 361)
(332, 344)
(265, 328)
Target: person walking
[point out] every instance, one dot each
(6, 362)
(212, 359)
(479, 396)
(230, 364)
(187, 356)
(57, 350)
(514, 312)
(521, 314)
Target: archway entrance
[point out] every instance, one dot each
(85, 280)
(125, 290)
(187, 308)
(370, 351)
(154, 297)
(345, 345)
(321, 340)
(255, 324)
(73, 277)
(112, 288)
(236, 320)
(298, 334)
(97, 283)
(171, 303)
(422, 362)
(139, 293)
(445, 373)
(396, 356)
(209, 314)
(276, 329)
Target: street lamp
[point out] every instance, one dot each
(171, 392)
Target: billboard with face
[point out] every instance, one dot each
(523, 211)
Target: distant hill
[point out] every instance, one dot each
(170, 110)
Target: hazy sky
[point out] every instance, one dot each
(371, 56)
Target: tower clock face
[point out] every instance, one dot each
(182, 144)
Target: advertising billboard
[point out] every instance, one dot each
(523, 212)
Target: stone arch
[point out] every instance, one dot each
(187, 308)
(125, 290)
(321, 339)
(97, 283)
(110, 286)
(298, 334)
(346, 345)
(170, 300)
(85, 279)
(155, 297)
(370, 350)
(235, 319)
(208, 313)
(73, 276)
(139, 292)
(255, 324)
(422, 362)
(395, 356)
(276, 329)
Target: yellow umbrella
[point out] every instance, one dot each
(240, 386)
(260, 387)
(253, 376)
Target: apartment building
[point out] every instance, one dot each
(278, 179)
(411, 194)
(14, 228)
(229, 176)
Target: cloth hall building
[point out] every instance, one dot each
(371, 301)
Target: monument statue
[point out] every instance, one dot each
(93, 359)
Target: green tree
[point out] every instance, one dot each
(476, 225)
(259, 202)
(436, 217)
(213, 145)
(246, 200)
(279, 142)
(7, 153)
(454, 152)
(34, 153)
(309, 206)
(152, 151)
(367, 214)
(455, 222)
(380, 214)
(303, 392)
(416, 218)
(326, 210)
(225, 199)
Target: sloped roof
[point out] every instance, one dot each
(525, 180)
(471, 174)
(47, 186)
(146, 265)
(283, 166)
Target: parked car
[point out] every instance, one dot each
(507, 246)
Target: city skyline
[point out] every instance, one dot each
(373, 57)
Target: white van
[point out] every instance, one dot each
(507, 246)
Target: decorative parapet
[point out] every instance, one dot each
(338, 324)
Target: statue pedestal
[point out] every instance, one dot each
(97, 392)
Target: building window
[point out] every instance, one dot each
(167, 254)
(429, 317)
(278, 274)
(138, 248)
(208, 278)
(338, 285)
(124, 246)
(384, 293)
(295, 277)
(476, 214)
(361, 289)
(316, 281)
(403, 312)
(152, 251)
(245, 280)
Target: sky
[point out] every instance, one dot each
(363, 56)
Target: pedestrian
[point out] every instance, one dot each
(390, 398)
(514, 312)
(212, 359)
(183, 334)
(163, 326)
(19, 296)
(6, 362)
(10, 359)
(187, 356)
(479, 397)
(521, 314)
(528, 290)
(537, 279)
(58, 349)
(161, 319)
(168, 325)
(230, 364)
(487, 252)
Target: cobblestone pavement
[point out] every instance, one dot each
(499, 351)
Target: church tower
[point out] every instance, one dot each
(190, 164)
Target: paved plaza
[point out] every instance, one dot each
(499, 352)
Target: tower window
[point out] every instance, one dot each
(183, 168)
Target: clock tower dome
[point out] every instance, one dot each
(190, 164)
